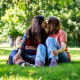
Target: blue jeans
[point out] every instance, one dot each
(51, 45)
(26, 56)
(12, 54)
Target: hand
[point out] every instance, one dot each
(20, 59)
(54, 52)
(15, 58)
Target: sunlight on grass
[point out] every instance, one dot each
(16, 72)
(74, 48)
(8, 48)
(75, 58)
(12, 77)
(3, 59)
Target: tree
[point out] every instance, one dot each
(19, 15)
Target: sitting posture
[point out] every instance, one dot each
(56, 43)
(34, 36)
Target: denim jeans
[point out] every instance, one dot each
(26, 56)
(51, 45)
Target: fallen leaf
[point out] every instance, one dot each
(3, 52)
(50, 71)
(31, 73)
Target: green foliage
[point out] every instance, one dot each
(70, 23)
(17, 15)
(14, 19)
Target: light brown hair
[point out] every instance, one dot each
(54, 24)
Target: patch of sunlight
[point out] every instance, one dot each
(67, 78)
(17, 77)
(74, 74)
(3, 57)
(75, 55)
(8, 48)
(3, 62)
(74, 48)
(75, 58)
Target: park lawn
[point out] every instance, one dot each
(64, 71)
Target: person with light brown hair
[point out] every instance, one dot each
(60, 37)
(56, 44)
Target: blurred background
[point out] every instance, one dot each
(16, 16)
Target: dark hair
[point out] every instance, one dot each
(40, 19)
(55, 23)
(35, 32)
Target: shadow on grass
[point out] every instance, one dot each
(46, 73)
(77, 62)
(32, 72)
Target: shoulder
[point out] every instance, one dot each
(62, 32)
(62, 36)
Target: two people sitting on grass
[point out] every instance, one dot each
(56, 45)
(38, 44)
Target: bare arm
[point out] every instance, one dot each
(63, 47)
(22, 47)
(18, 55)
(56, 52)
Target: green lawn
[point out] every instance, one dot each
(65, 71)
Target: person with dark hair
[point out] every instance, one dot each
(34, 36)
(56, 45)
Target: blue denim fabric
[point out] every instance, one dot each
(12, 54)
(41, 53)
(42, 50)
(63, 57)
(51, 45)
(27, 55)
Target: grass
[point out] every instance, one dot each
(64, 71)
